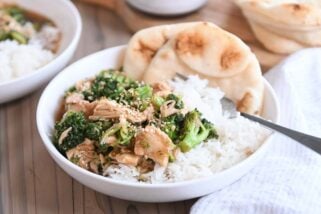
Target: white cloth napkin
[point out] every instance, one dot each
(288, 180)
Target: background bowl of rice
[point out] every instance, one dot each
(67, 19)
(163, 192)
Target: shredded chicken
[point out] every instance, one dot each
(83, 85)
(127, 158)
(76, 102)
(110, 140)
(168, 108)
(84, 155)
(63, 135)
(153, 143)
(109, 109)
(161, 89)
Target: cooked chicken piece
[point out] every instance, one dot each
(145, 165)
(153, 143)
(75, 102)
(168, 108)
(127, 158)
(63, 135)
(84, 155)
(161, 89)
(149, 112)
(83, 85)
(109, 109)
(125, 150)
(110, 140)
(8, 23)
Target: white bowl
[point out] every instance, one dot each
(167, 7)
(111, 58)
(66, 16)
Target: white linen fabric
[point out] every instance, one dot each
(288, 180)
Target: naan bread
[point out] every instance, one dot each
(144, 44)
(204, 49)
(284, 26)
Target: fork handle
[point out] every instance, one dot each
(312, 142)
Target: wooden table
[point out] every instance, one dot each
(30, 181)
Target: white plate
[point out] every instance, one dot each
(66, 16)
(111, 58)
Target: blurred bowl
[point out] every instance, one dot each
(112, 58)
(167, 7)
(66, 16)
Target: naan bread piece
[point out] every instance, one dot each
(289, 12)
(144, 45)
(284, 26)
(274, 42)
(165, 65)
(195, 46)
(244, 86)
(265, 57)
(246, 89)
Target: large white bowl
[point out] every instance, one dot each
(111, 58)
(66, 16)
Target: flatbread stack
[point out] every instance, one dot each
(284, 26)
(198, 48)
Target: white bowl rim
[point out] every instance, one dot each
(74, 41)
(53, 150)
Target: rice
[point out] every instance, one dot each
(238, 138)
(20, 59)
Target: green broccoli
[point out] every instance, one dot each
(142, 96)
(77, 122)
(172, 125)
(19, 37)
(110, 84)
(195, 131)
(208, 125)
(122, 133)
(179, 104)
(94, 130)
(157, 101)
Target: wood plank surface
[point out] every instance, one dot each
(30, 181)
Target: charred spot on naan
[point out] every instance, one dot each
(147, 51)
(297, 9)
(229, 58)
(190, 43)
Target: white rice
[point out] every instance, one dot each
(17, 59)
(238, 138)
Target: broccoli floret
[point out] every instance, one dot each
(77, 122)
(172, 125)
(125, 134)
(194, 131)
(94, 130)
(142, 96)
(19, 37)
(122, 134)
(179, 104)
(144, 92)
(208, 125)
(157, 101)
(110, 84)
